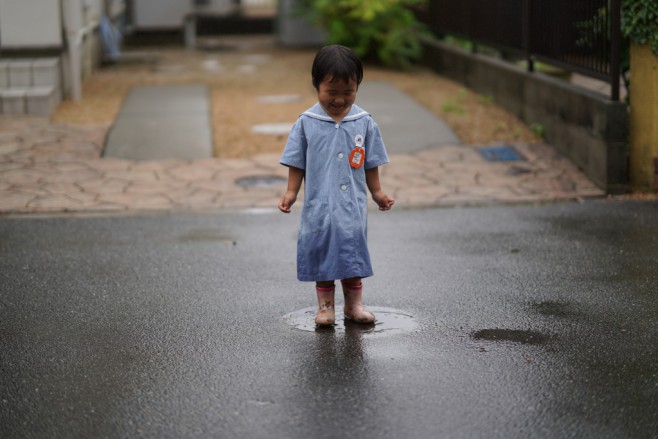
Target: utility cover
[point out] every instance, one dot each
(501, 154)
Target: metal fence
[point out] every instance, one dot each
(578, 35)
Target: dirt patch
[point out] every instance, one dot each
(240, 70)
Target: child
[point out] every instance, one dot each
(335, 147)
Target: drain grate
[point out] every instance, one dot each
(261, 181)
(501, 154)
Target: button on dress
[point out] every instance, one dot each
(332, 240)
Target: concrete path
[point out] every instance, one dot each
(172, 122)
(162, 122)
(406, 125)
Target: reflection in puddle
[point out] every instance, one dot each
(514, 335)
(389, 321)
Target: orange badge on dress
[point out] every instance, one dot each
(357, 157)
(358, 154)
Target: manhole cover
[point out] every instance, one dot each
(261, 181)
(389, 321)
(501, 154)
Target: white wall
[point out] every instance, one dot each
(30, 24)
(159, 14)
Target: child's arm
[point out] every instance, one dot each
(295, 177)
(372, 180)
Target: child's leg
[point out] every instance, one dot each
(354, 308)
(326, 315)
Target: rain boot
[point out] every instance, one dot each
(354, 308)
(326, 315)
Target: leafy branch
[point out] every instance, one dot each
(383, 30)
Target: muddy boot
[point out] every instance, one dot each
(326, 315)
(354, 308)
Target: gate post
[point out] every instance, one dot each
(643, 118)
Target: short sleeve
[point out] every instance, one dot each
(294, 153)
(375, 150)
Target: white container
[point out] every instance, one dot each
(40, 101)
(20, 73)
(13, 101)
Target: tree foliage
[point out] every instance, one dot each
(385, 30)
(640, 22)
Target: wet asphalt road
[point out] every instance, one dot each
(533, 322)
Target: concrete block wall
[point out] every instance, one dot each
(585, 126)
(30, 86)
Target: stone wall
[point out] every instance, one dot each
(586, 126)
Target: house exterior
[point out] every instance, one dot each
(47, 48)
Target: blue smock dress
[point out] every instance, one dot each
(332, 240)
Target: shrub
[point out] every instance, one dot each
(382, 30)
(640, 22)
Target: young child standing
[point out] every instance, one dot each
(335, 147)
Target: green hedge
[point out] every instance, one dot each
(640, 22)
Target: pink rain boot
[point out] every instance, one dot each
(326, 315)
(354, 308)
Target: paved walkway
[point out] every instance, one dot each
(48, 168)
(162, 122)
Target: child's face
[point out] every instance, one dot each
(337, 96)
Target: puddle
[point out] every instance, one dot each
(389, 321)
(261, 181)
(513, 335)
(555, 309)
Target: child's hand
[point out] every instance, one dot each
(287, 201)
(383, 201)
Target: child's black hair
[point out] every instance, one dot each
(338, 62)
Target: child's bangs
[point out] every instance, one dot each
(343, 71)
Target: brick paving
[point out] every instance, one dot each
(52, 168)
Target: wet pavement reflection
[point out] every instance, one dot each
(389, 321)
(534, 321)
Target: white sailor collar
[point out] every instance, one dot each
(317, 112)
